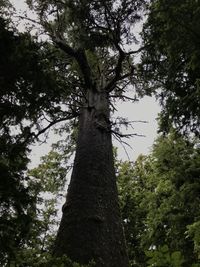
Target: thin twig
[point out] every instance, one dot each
(26, 18)
(129, 122)
(122, 143)
(123, 97)
(126, 135)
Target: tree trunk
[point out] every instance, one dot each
(91, 227)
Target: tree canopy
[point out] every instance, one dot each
(171, 61)
(29, 91)
(97, 37)
(159, 197)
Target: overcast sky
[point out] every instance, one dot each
(146, 109)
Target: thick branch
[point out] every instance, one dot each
(85, 68)
(64, 46)
(36, 135)
(111, 85)
(118, 71)
(49, 126)
(80, 57)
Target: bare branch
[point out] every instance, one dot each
(124, 97)
(126, 135)
(28, 19)
(122, 88)
(113, 108)
(80, 57)
(85, 68)
(53, 123)
(136, 51)
(123, 145)
(112, 84)
(128, 122)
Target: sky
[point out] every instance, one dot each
(145, 109)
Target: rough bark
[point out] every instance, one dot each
(91, 225)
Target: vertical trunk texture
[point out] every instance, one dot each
(91, 225)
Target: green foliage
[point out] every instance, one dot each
(159, 199)
(95, 35)
(21, 104)
(46, 184)
(161, 257)
(133, 214)
(170, 61)
(194, 233)
(52, 172)
(46, 260)
(90, 24)
(14, 196)
(30, 99)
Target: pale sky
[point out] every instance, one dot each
(146, 109)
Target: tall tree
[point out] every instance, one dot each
(171, 61)
(95, 38)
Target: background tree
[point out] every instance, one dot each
(29, 96)
(159, 197)
(171, 61)
(46, 183)
(132, 193)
